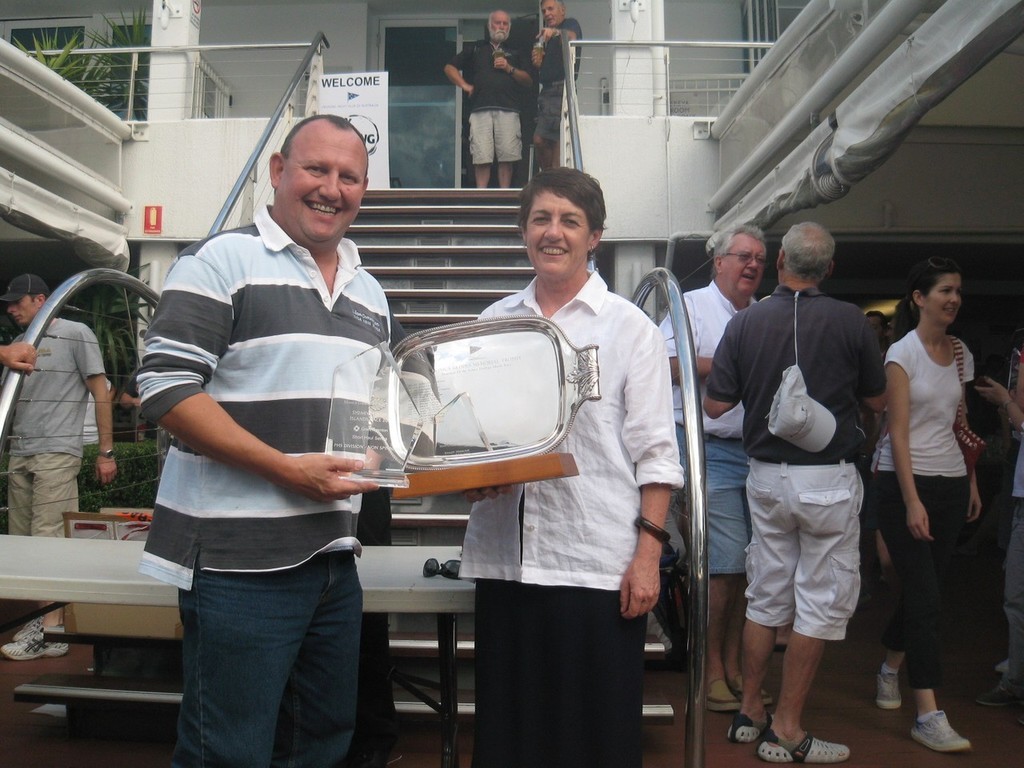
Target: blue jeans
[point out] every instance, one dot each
(270, 666)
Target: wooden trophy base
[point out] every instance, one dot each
(509, 472)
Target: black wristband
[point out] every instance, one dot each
(655, 530)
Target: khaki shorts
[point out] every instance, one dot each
(40, 489)
(495, 134)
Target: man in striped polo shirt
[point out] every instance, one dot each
(253, 519)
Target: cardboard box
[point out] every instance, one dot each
(83, 525)
(121, 524)
(149, 621)
(143, 621)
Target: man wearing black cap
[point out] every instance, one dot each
(46, 437)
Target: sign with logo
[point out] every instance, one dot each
(362, 97)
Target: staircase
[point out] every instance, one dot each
(442, 255)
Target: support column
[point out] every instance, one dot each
(155, 259)
(638, 82)
(175, 24)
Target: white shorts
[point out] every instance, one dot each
(495, 134)
(803, 562)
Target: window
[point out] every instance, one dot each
(50, 32)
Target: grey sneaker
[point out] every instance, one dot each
(936, 733)
(887, 692)
(31, 648)
(34, 630)
(999, 697)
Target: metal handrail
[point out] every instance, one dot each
(243, 177)
(669, 293)
(734, 44)
(572, 103)
(36, 330)
(180, 48)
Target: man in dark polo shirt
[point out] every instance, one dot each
(803, 489)
(493, 78)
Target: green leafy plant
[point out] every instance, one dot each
(108, 76)
(135, 485)
(110, 79)
(112, 315)
(66, 64)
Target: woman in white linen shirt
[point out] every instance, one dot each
(565, 569)
(924, 493)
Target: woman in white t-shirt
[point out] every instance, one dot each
(924, 493)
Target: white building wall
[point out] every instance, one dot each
(187, 167)
(651, 194)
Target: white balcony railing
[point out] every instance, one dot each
(202, 81)
(692, 78)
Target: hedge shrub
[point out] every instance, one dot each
(134, 486)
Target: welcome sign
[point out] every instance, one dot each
(362, 98)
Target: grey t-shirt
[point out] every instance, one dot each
(51, 409)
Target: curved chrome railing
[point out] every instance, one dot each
(665, 288)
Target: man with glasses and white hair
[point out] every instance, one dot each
(803, 488)
(493, 78)
(736, 270)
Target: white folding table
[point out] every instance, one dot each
(106, 572)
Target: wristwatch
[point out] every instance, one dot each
(107, 454)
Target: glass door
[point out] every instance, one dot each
(422, 108)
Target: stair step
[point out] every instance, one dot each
(68, 689)
(79, 690)
(443, 249)
(443, 294)
(660, 713)
(455, 210)
(406, 646)
(414, 321)
(412, 230)
(441, 197)
(452, 271)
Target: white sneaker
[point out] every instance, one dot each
(31, 648)
(33, 629)
(887, 692)
(936, 733)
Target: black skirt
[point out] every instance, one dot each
(559, 678)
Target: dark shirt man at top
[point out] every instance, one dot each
(803, 555)
(551, 68)
(495, 82)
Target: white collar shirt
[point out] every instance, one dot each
(276, 239)
(580, 531)
(709, 311)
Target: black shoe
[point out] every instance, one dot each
(367, 757)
